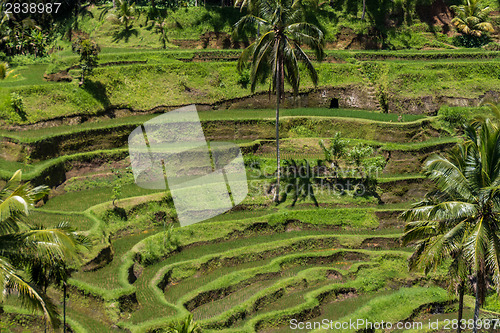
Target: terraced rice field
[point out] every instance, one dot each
(259, 266)
(254, 280)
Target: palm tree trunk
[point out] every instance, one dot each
(476, 310)
(77, 9)
(364, 10)
(279, 91)
(461, 291)
(480, 292)
(278, 168)
(164, 231)
(64, 307)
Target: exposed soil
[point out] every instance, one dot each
(437, 14)
(408, 162)
(389, 219)
(62, 76)
(347, 39)
(380, 243)
(211, 40)
(334, 275)
(410, 190)
(104, 257)
(91, 169)
(134, 272)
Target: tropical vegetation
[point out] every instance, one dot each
(33, 257)
(460, 220)
(472, 18)
(277, 52)
(331, 247)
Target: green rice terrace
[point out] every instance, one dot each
(334, 246)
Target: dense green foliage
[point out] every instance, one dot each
(459, 221)
(33, 258)
(258, 266)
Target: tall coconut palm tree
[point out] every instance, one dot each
(429, 253)
(464, 223)
(471, 18)
(277, 52)
(22, 247)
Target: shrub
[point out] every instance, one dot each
(17, 104)
(153, 249)
(244, 78)
(56, 65)
(27, 59)
(471, 41)
(252, 161)
(454, 116)
(302, 132)
(492, 46)
(492, 303)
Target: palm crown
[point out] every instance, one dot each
(471, 18)
(279, 50)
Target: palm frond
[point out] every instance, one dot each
(31, 298)
(448, 178)
(302, 56)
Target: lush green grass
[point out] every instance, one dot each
(217, 307)
(308, 112)
(236, 278)
(48, 132)
(345, 217)
(182, 23)
(209, 82)
(65, 59)
(191, 22)
(148, 299)
(50, 220)
(380, 274)
(213, 115)
(407, 299)
(50, 101)
(336, 310)
(25, 76)
(107, 277)
(82, 200)
(412, 55)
